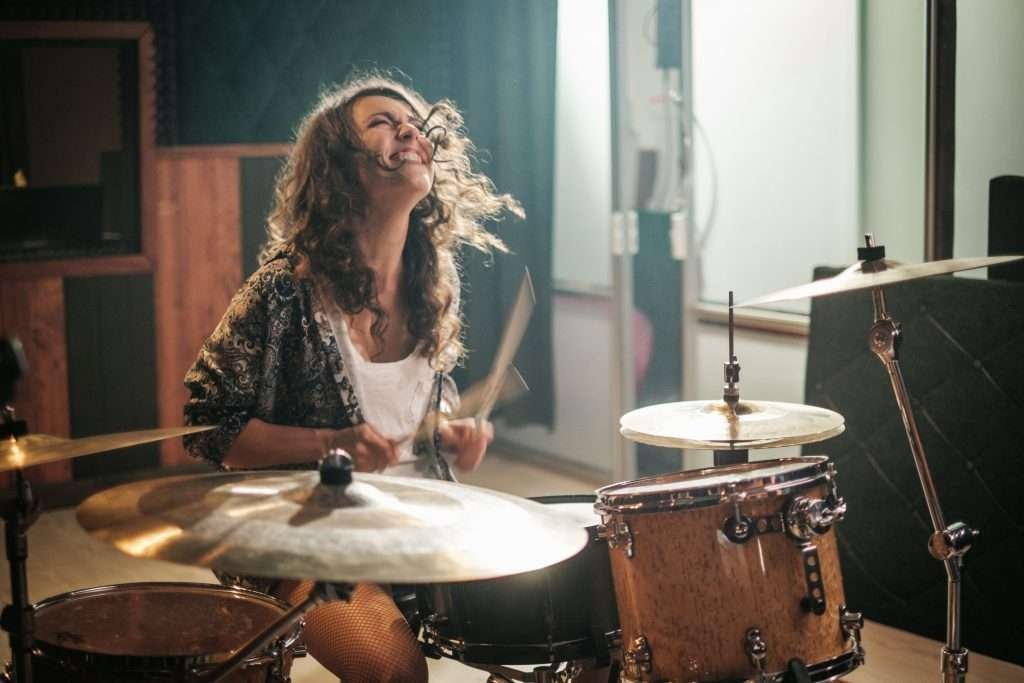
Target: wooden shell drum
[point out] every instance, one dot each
(732, 572)
(156, 632)
(561, 613)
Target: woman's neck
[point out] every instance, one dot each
(381, 238)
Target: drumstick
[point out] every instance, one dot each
(512, 388)
(515, 327)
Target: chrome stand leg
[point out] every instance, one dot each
(947, 543)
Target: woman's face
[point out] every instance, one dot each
(390, 131)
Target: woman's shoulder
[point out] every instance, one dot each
(278, 277)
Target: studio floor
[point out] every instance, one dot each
(62, 558)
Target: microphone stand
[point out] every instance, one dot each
(947, 544)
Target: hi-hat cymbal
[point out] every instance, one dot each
(886, 272)
(380, 528)
(39, 449)
(716, 426)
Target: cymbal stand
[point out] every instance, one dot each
(322, 592)
(19, 514)
(731, 396)
(949, 543)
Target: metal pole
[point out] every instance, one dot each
(940, 129)
(623, 387)
(624, 230)
(19, 616)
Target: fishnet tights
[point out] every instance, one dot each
(361, 641)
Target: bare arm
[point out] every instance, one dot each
(261, 444)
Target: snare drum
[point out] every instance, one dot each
(561, 613)
(726, 573)
(157, 632)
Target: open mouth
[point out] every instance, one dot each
(407, 156)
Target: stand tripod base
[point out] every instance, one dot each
(954, 665)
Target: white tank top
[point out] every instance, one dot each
(394, 397)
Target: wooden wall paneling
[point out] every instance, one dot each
(33, 311)
(198, 268)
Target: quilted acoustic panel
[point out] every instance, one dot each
(249, 70)
(962, 367)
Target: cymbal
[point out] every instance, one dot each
(381, 528)
(39, 449)
(714, 425)
(890, 272)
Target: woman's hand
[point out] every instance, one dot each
(370, 451)
(466, 441)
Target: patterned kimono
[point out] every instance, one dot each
(274, 356)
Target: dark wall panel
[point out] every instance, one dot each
(248, 72)
(111, 367)
(257, 192)
(961, 363)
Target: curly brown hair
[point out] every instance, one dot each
(318, 193)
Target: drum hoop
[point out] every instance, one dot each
(815, 470)
(566, 498)
(90, 658)
(111, 588)
(471, 652)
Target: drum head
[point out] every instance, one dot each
(155, 619)
(713, 486)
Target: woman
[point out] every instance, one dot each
(345, 335)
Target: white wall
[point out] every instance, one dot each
(893, 78)
(582, 198)
(582, 363)
(989, 113)
(775, 87)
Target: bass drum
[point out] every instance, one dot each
(561, 613)
(156, 632)
(731, 573)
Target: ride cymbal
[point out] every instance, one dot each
(717, 426)
(39, 449)
(287, 524)
(867, 274)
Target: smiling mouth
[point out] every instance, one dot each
(407, 156)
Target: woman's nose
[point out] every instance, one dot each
(407, 131)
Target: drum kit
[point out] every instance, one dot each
(728, 573)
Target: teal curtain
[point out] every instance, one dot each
(503, 70)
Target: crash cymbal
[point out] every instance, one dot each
(39, 449)
(714, 425)
(380, 528)
(885, 272)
